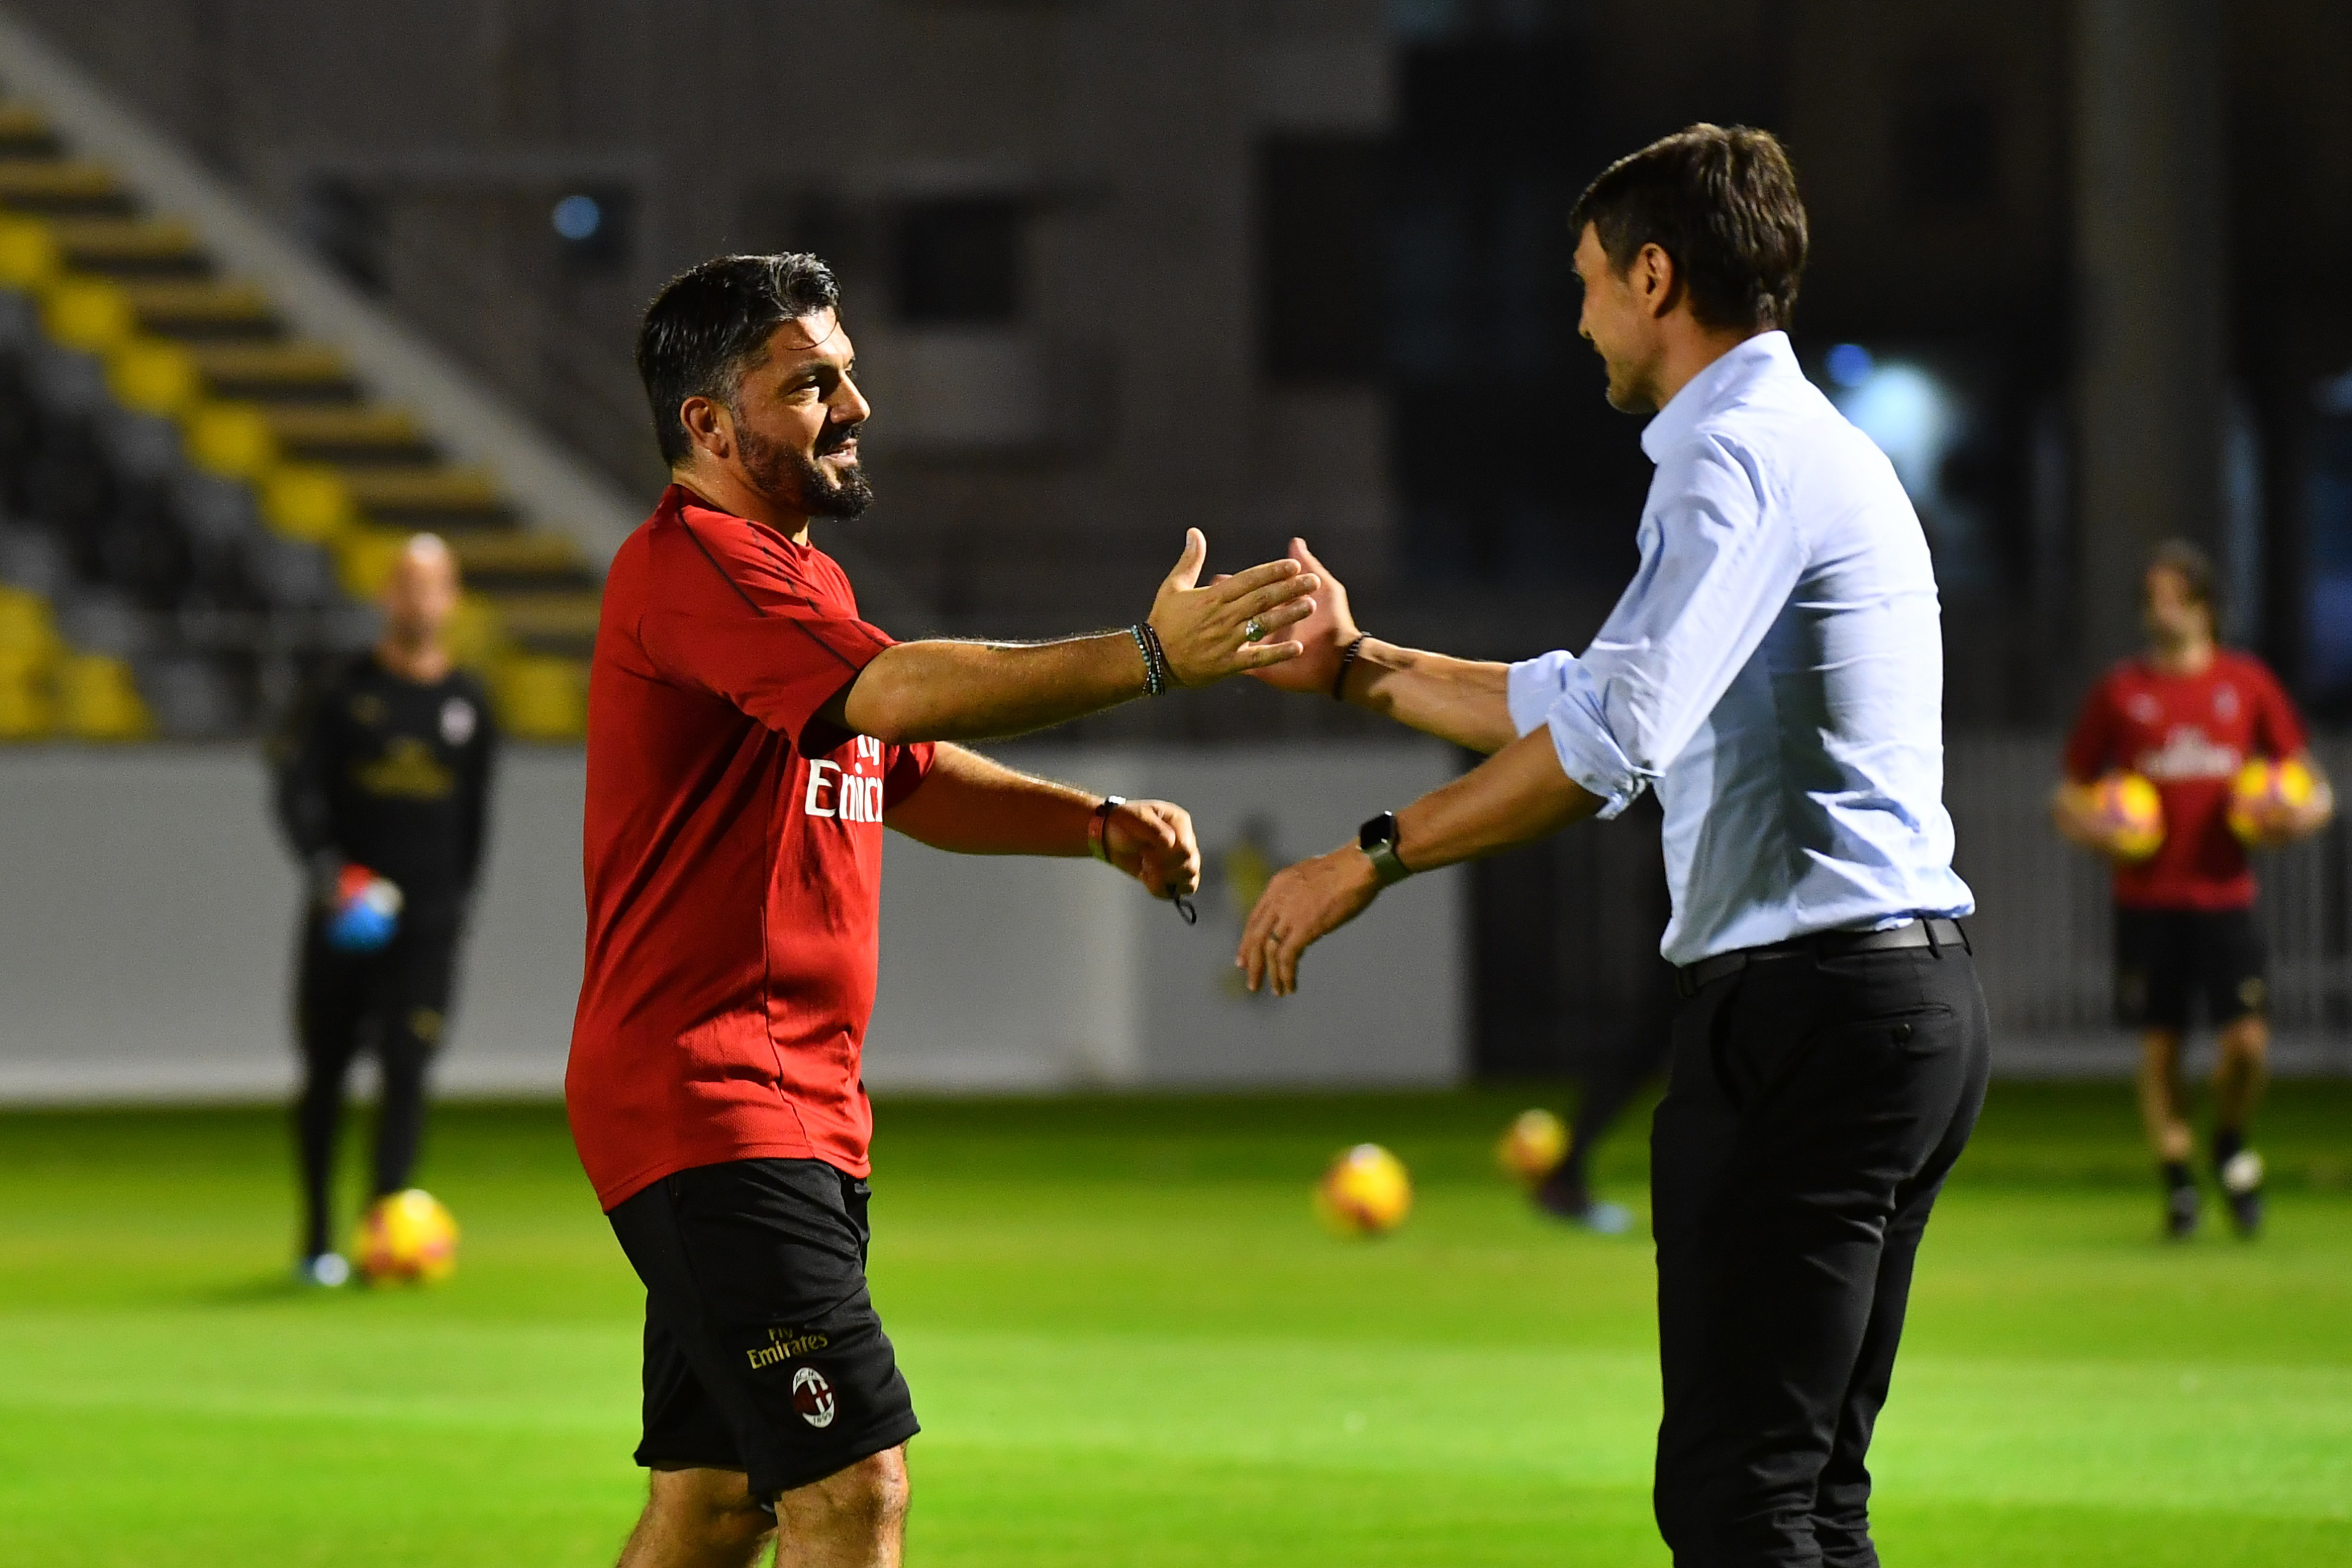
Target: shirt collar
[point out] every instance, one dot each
(1765, 353)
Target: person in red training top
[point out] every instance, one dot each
(749, 736)
(2188, 715)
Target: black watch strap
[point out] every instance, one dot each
(1377, 838)
(1098, 827)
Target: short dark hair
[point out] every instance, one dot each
(2187, 561)
(1722, 202)
(709, 324)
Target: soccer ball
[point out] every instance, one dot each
(1365, 1192)
(406, 1238)
(2131, 811)
(2262, 792)
(1535, 1142)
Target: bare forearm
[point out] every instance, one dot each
(1457, 700)
(941, 691)
(968, 805)
(1516, 797)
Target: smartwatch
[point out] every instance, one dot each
(1377, 838)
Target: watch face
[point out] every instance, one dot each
(1382, 829)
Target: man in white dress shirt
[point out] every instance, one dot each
(1775, 672)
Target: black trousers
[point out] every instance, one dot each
(394, 1002)
(1815, 1107)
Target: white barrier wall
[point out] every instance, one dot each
(147, 914)
(1033, 973)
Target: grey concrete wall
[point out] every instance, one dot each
(147, 914)
(1043, 973)
(147, 923)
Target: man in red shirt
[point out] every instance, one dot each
(749, 738)
(2188, 716)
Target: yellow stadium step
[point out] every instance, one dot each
(28, 631)
(275, 372)
(29, 651)
(554, 597)
(563, 621)
(427, 496)
(539, 697)
(346, 434)
(25, 133)
(485, 555)
(62, 187)
(201, 309)
(375, 452)
(102, 315)
(28, 707)
(129, 246)
(98, 699)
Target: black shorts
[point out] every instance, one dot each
(762, 1349)
(396, 997)
(2166, 959)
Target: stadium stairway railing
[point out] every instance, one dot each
(203, 486)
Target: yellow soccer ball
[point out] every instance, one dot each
(2264, 792)
(406, 1238)
(1365, 1192)
(1532, 1146)
(2132, 813)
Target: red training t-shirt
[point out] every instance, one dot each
(734, 858)
(2188, 734)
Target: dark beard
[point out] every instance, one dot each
(794, 479)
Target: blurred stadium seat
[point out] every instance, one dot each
(192, 496)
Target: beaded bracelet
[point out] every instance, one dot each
(1151, 681)
(1346, 662)
(1158, 678)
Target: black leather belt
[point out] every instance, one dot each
(1935, 931)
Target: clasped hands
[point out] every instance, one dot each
(1228, 627)
(1205, 631)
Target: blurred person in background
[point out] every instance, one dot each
(1775, 672)
(2187, 715)
(384, 784)
(1606, 1083)
(749, 736)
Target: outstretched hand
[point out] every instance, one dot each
(1152, 841)
(1324, 636)
(1303, 904)
(1205, 631)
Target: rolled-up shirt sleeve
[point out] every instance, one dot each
(1717, 570)
(1556, 690)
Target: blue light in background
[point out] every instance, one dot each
(578, 217)
(1909, 415)
(1918, 416)
(1850, 364)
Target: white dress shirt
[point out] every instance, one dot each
(1775, 671)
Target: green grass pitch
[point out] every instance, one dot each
(1130, 1345)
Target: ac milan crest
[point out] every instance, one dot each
(812, 1396)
